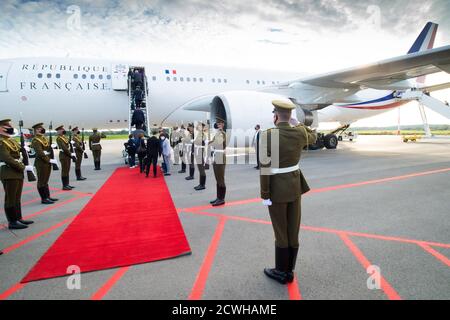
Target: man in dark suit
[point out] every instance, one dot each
(153, 153)
(138, 118)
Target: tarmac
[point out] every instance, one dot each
(376, 204)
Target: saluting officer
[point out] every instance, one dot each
(96, 147)
(42, 162)
(12, 174)
(65, 156)
(200, 153)
(78, 149)
(218, 145)
(282, 185)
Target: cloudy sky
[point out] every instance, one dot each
(309, 36)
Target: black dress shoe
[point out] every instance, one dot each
(67, 188)
(17, 225)
(289, 277)
(219, 202)
(276, 275)
(46, 201)
(26, 222)
(214, 201)
(189, 178)
(52, 199)
(71, 187)
(81, 178)
(182, 171)
(200, 187)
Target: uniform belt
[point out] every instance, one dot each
(219, 151)
(95, 144)
(46, 153)
(284, 170)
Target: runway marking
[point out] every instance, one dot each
(294, 290)
(37, 235)
(325, 189)
(385, 285)
(202, 276)
(326, 230)
(103, 291)
(17, 287)
(436, 254)
(52, 207)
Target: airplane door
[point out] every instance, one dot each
(120, 77)
(4, 69)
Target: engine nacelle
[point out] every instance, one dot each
(242, 110)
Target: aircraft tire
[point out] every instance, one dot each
(330, 141)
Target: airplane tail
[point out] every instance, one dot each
(424, 41)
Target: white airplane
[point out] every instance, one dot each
(96, 93)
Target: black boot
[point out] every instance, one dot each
(71, 187)
(19, 216)
(183, 168)
(279, 273)
(202, 184)
(12, 219)
(220, 197)
(292, 260)
(47, 193)
(65, 183)
(217, 198)
(79, 176)
(97, 166)
(191, 174)
(43, 193)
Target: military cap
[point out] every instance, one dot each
(5, 122)
(94, 129)
(283, 104)
(75, 128)
(59, 127)
(38, 125)
(191, 125)
(219, 119)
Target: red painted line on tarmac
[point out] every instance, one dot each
(294, 290)
(202, 276)
(326, 189)
(436, 254)
(17, 287)
(52, 207)
(36, 236)
(103, 291)
(385, 285)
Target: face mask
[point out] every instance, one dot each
(42, 131)
(163, 138)
(9, 130)
(63, 132)
(78, 132)
(216, 126)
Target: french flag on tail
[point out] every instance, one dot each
(425, 41)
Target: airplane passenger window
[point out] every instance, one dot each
(154, 78)
(181, 79)
(75, 76)
(58, 76)
(188, 79)
(108, 77)
(200, 79)
(84, 76)
(263, 82)
(168, 78)
(92, 76)
(248, 81)
(100, 77)
(219, 80)
(174, 78)
(49, 75)
(40, 75)
(225, 80)
(213, 80)
(257, 82)
(194, 79)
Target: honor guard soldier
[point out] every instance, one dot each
(12, 175)
(282, 185)
(96, 147)
(189, 150)
(200, 153)
(78, 149)
(218, 145)
(182, 149)
(64, 157)
(42, 162)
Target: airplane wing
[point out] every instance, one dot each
(386, 72)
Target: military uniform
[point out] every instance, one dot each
(42, 148)
(218, 145)
(65, 157)
(283, 184)
(96, 147)
(79, 151)
(200, 153)
(175, 140)
(182, 150)
(190, 152)
(12, 175)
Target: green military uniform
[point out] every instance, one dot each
(65, 157)
(283, 184)
(218, 145)
(200, 153)
(11, 175)
(79, 151)
(96, 147)
(42, 148)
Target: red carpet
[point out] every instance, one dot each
(130, 220)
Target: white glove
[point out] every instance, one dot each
(267, 202)
(53, 161)
(54, 145)
(29, 168)
(72, 142)
(73, 155)
(27, 149)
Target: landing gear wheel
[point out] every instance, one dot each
(319, 144)
(330, 141)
